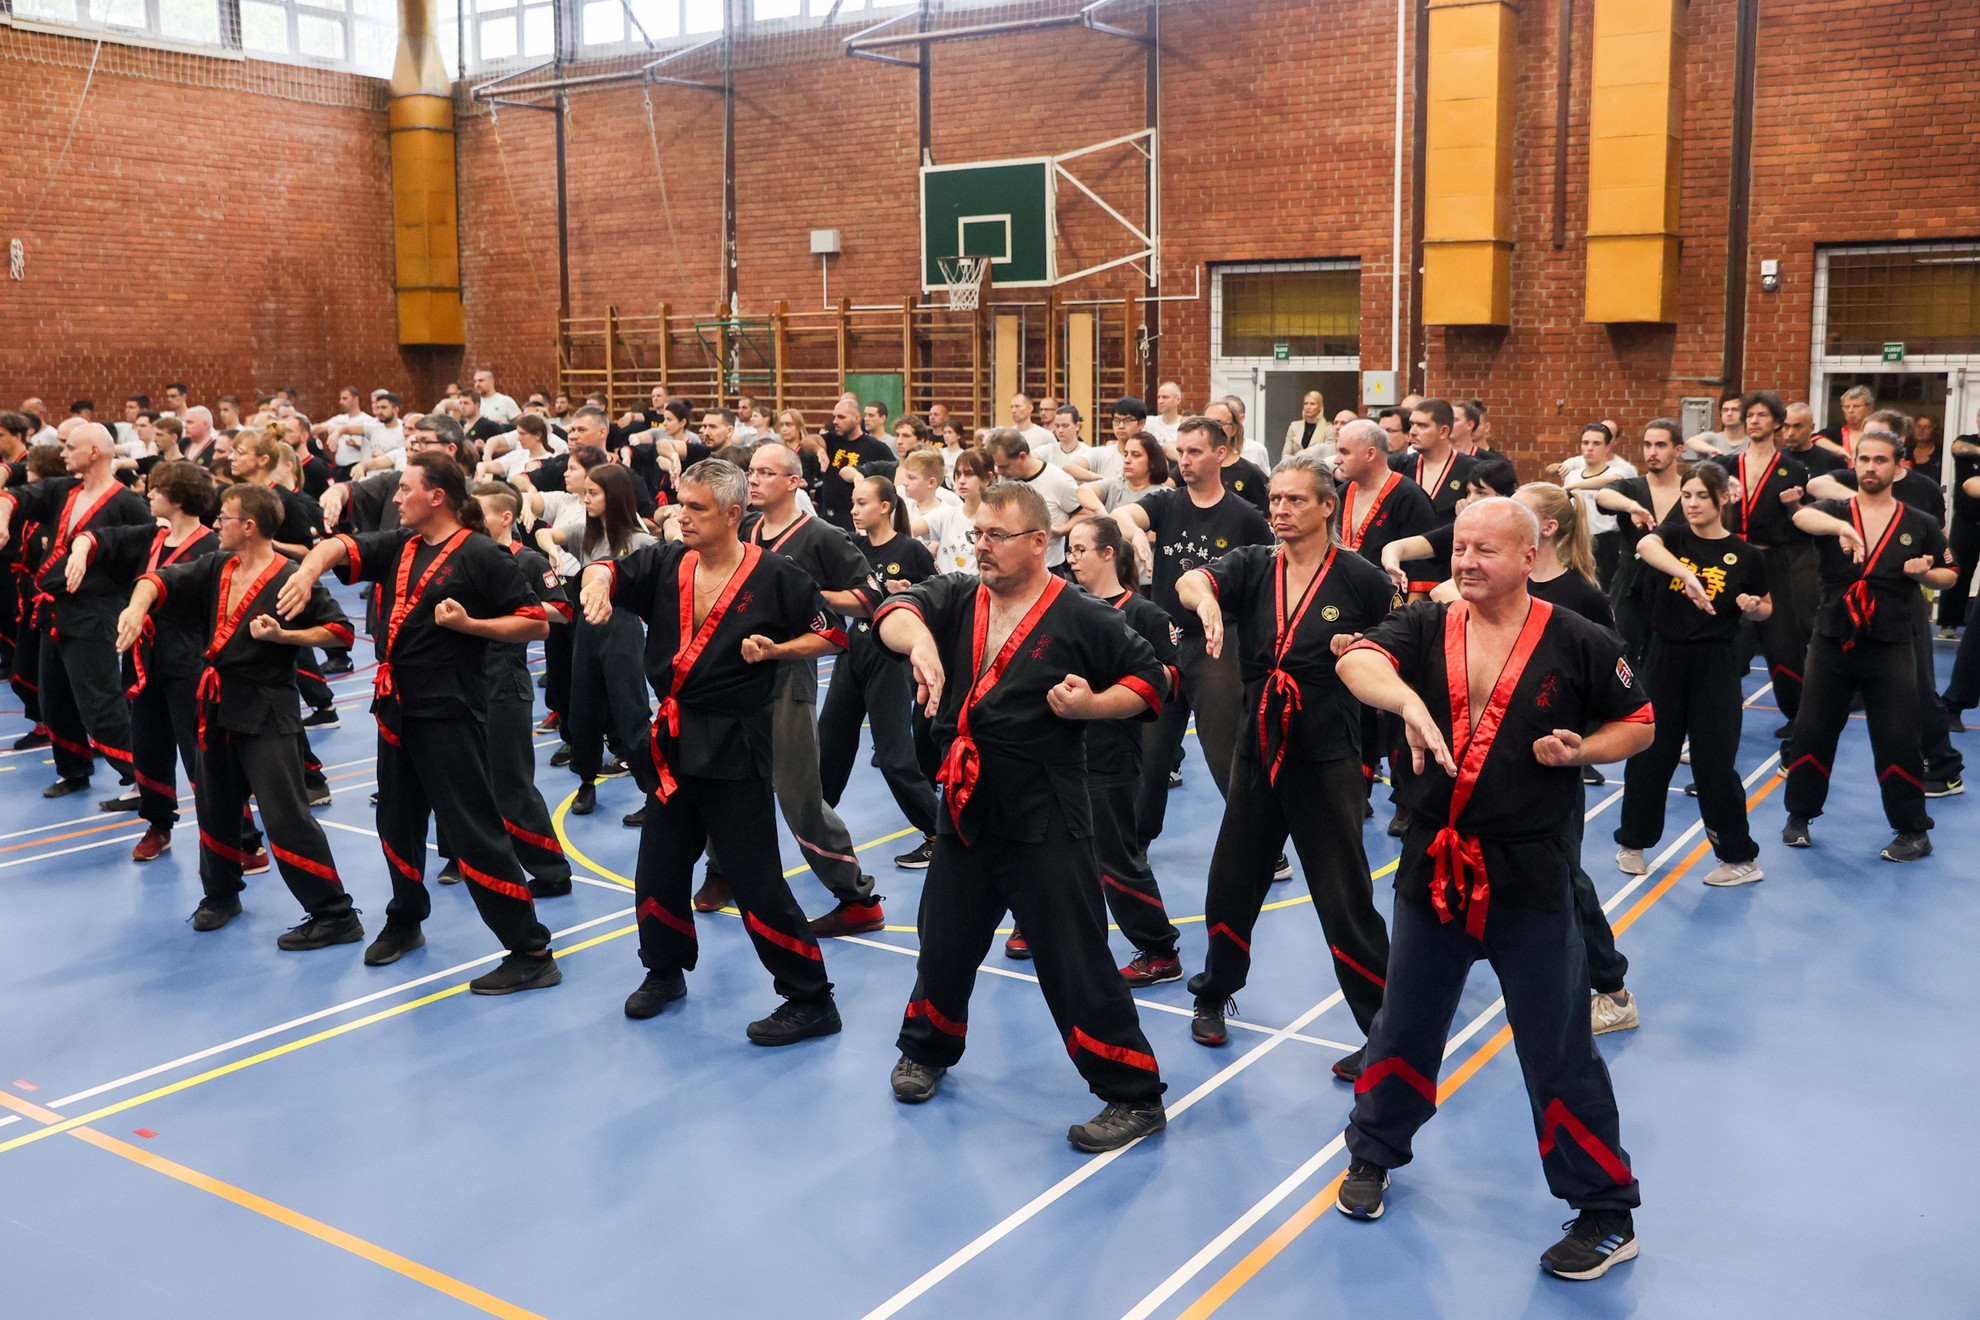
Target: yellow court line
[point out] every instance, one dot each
(281, 1214)
(1307, 1215)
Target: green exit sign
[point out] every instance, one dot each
(1281, 352)
(1894, 352)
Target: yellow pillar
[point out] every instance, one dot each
(1006, 372)
(1081, 347)
(1467, 179)
(1635, 157)
(425, 198)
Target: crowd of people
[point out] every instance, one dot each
(1028, 620)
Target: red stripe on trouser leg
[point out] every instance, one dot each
(1357, 966)
(1112, 883)
(1808, 759)
(921, 1008)
(387, 734)
(315, 868)
(80, 749)
(114, 753)
(495, 884)
(1079, 1040)
(651, 908)
(219, 849)
(1221, 929)
(151, 785)
(1372, 1075)
(1557, 1116)
(548, 845)
(1782, 671)
(400, 864)
(783, 941)
(1901, 773)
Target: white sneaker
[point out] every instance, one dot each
(1630, 861)
(1606, 1015)
(1684, 756)
(1735, 873)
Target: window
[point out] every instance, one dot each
(1313, 308)
(360, 35)
(506, 29)
(1926, 298)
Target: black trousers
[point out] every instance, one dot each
(1543, 973)
(1126, 878)
(1213, 690)
(1962, 689)
(26, 681)
(1884, 674)
(164, 734)
(1965, 538)
(268, 767)
(82, 699)
(1632, 619)
(1792, 582)
(1319, 805)
(557, 663)
(1607, 968)
(512, 767)
(1052, 888)
(608, 696)
(738, 816)
(871, 686)
(316, 693)
(1696, 689)
(1608, 549)
(1941, 759)
(439, 768)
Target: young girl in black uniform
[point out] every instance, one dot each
(1693, 663)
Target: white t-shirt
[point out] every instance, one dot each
(1599, 519)
(1058, 457)
(1164, 432)
(500, 408)
(1105, 461)
(948, 538)
(1061, 494)
(1253, 451)
(517, 459)
(1038, 438)
(354, 438)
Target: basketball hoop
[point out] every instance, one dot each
(965, 277)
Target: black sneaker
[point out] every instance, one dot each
(336, 664)
(1691, 789)
(915, 1083)
(131, 802)
(613, 769)
(918, 860)
(1117, 1125)
(557, 888)
(1175, 779)
(1361, 1191)
(1348, 1068)
(322, 932)
(1398, 824)
(562, 756)
(326, 718)
(1595, 1240)
(1795, 833)
(450, 874)
(320, 797)
(393, 942)
(796, 1020)
(586, 801)
(29, 741)
(1785, 732)
(64, 787)
(519, 971)
(633, 820)
(1934, 788)
(213, 913)
(658, 990)
(1206, 1025)
(1592, 777)
(1282, 869)
(1907, 848)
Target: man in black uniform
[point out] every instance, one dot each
(1241, 476)
(81, 681)
(1651, 501)
(1298, 770)
(1032, 659)
(445, 590)
(1875, 552)
(1435, 464)
(1484, 869)
(250, 731)
(719, 613)
(850, 453)
(1770, 490)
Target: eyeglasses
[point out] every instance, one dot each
(977, 536)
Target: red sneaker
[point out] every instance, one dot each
(154, 842)
(1015, 947)
(851, 917)
(1152, 969)
(257, 864)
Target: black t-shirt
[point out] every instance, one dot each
(1401, 511)
(1519, 810)
(508, 662)
(1918, 490)
(1576, 594)
(302, 519)
(1632, 575)
(1032, 762)
(1884, 615)
(1444, 487)
(1965, 467)
(1187, 536)
(484, 430)
(902, 558)
(1113, 747)
(1758, 514)
(1819, 460)
(1245, 478)
(873, 457)
(1349, 596)
(1728, 568)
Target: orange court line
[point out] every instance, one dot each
(124, 820)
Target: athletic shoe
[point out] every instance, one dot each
(1795, 833)
(1907, 848)
(1727, 874)
(1595, 1241)
(213, 913)
(658, 990)
(1206, 1024)
(1398, 824)
(319, 797)
(154, 842)
(374, 799)
(1152, 969)
(128, 802)
(915, 1083)
(336, 664)
(322, 932)
(519, 971)
(1592, 777)
(1348, 1066)
(64, 787)
(614, 769)
(325, 718)
(562, 756)
(1934, 788)
(713, 895)
(1175, 779)
(853, 916)
(796, 1020)
(1691, 790)
(1016, 948)
(551, 723)
(1605, 1014)
(450, 874)
(1361, 1191)
(586, 801)
(1630, 861)
(38, 737)
(634, 820)
(1117, 1125)
(558, 888)
(918, 860)
(1282, 869)
(1946, 635)
(257, 864)
(394, 942)
(1785, 732)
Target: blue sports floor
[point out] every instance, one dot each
(203, 1126)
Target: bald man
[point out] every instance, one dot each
(1485, 868)
(82, 684)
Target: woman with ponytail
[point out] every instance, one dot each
(608, 667)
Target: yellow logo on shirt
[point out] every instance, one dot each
(1904, 539)
(1330, 612)
(1713, 578)
(895, 569)
(1731, 559)
(1222, 544)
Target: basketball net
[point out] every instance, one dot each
(965, 277)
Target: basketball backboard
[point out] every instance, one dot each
(1002, 210)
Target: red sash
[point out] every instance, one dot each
(692, 641)
(964, 764)
(1281, 689)
(1459, 879)
(44, 600)
(1352, 532)
(1857, 600)
(1749, 492)
(405, 599)
(149, 630)
(224, 627)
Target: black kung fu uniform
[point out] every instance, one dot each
(432, 707)
(1863, 644)
(1635, 583)
(711, 750)
(1298, 768)
(1759, 517)
(1444, 487)
(1484, 873)
(81, 679)
(1113, 757)
(1016, 834)
(11, 570)
(30, 540)
(1399, 511)
(250, 727)
(302, 524)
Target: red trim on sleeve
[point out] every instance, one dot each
(1143, 689)
(1211, 578)
(1424, 587)
(563, 608)
(1365, 645)
(157, 583)
(1641, 715)
(899, 603)
(356, 565)
(532, 612)
(836, 636)
(342, 633)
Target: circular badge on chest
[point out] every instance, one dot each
(1731, 558)
(1904, 538)
(1330, 612)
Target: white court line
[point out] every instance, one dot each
(60, 824)
(580, 879)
